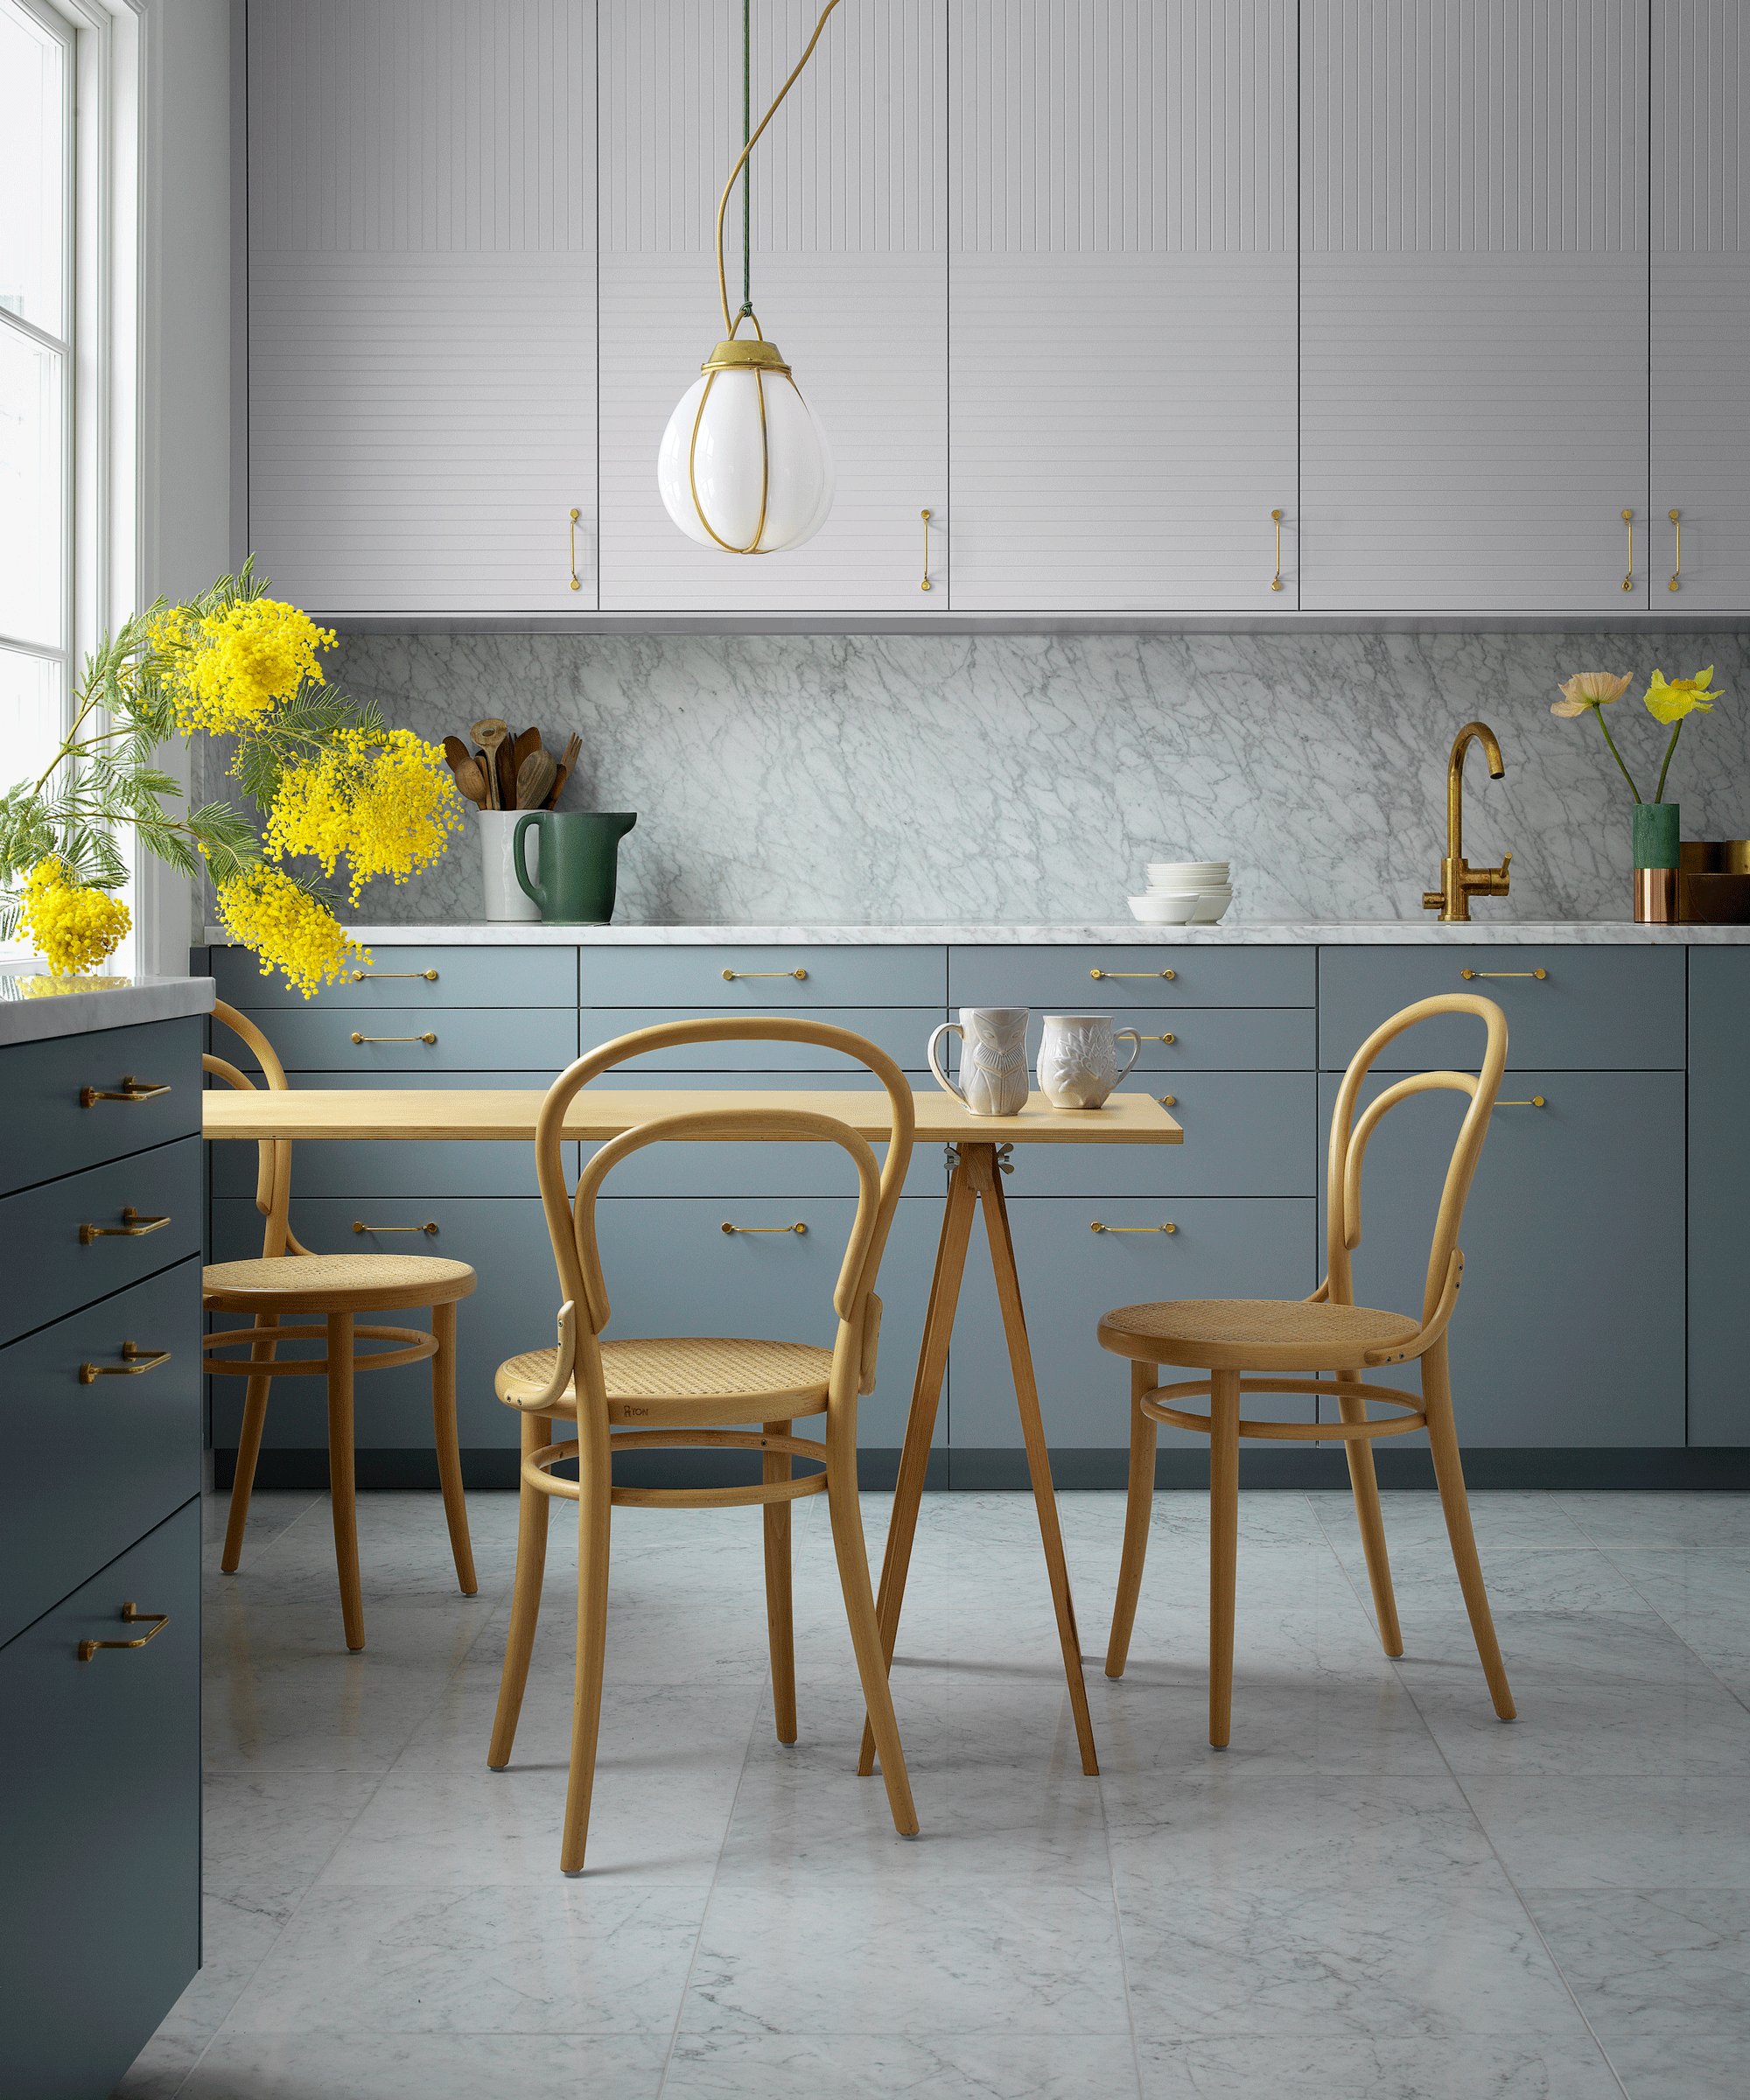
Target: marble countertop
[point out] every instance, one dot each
(1382, 932)
(103, 1003)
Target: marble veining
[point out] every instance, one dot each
(1026, 779)
(121, 1003)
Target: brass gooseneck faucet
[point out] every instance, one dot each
(1459, 882)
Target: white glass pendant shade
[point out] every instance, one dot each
(720, 459)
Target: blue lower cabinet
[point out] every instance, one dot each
(1065, 979)
(69, 1102)
(1234, 1247)
(671, 1269)
(458, 1040)
(902, 1032)
(99, 1818)
(139, 1415)
(1246, 1134)
(746, 979)
(1719, 1194)
(489, 977)
(1569, 1332)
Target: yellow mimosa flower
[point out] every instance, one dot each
(288, 928)
(71, 928)
(387, 804)
(1671, 702)
(239, 662)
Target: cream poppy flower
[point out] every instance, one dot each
(1590, 688)
(1670, 702)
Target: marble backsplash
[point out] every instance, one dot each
(848, 779)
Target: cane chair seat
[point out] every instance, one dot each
(335, 1282)
(1253, 1333)
(762, 1378)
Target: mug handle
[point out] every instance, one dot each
(528, 888)
(942, 1080)
(1136, 1050)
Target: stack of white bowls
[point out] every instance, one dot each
(1184, 893)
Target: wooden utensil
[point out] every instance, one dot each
(521, 747)
(473, 782)
(490, 733)
(534, 777)
(573, 747)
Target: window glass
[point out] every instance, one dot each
(32, 173)
(31, 695)
(32, 489)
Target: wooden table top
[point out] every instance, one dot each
(507, 1116)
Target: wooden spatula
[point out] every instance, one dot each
(534, 779)
(489, 735)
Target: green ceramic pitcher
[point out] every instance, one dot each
(579, 863)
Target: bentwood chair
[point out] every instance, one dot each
(289, 1278)
(1326, 1332)
(683, 1392)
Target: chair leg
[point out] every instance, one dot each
(595, 1510)
(779, 1620)
(525, 1598)
(1449, 1472)
(340, 1475)
(248, 1445)
(449, 1452)
(1143, 1379)
(860, 1609)
(1365, 1486)
(1224, 1542)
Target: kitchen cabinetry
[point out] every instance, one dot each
(849, 278)
(1701, 305)
(421, 304)
(1473, 303)
(99, 1766)
(1718, 1189)
(1122, 403)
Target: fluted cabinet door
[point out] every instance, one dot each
(848, 279)
(1701, 305)
(422, 294)
(1123, 287)
(1474, 304)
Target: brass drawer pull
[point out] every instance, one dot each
(357, 1038)
(429, 1228)
(371, 977)
(1169, 1101)
(1097, 1227)
(730, 976)
(1160, 1039)
(131, 1616)
(1097, 974)
(798, 1229)
(132, 1090)
(134, 1226)
(1468, 974)
(134, 1361)
(1536, 1102)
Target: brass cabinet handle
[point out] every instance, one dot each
(1276, 581)
(1678, 570)
(1097, 1227)
(134, 1226)
(428, 1227)
(576, 584)
(924, 515)
(357, 1038)
(730, 976)
(370, 976)
(1468, 974)
(136, 1360)
(1097, 974)
(799, 1229)
(1536, 1102)
(1628, 519)
(131, 1616)
(1169, 1101)
(1160, 1039)
(132, 1090)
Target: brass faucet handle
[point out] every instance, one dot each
(1491, 882)
(1433, 900)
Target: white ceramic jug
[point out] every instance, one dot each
(1078, 1060)
(993, 1058)
(505, 899)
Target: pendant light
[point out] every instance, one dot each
(744, 464)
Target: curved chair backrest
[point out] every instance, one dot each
(570, 1222)
(1349, 1141)
(273, 1172)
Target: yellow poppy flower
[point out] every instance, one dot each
(1589, 688)
(1670, 702)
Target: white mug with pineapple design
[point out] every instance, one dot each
(1078, 1059)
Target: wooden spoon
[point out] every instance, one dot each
(534, 777)
(489, 734)
(472, 782)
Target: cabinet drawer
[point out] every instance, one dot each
(89, 1467)
(541, 1039)
(1246, 1134)
(1555, 1343)
(1061, 980)
(1205, 1038)
(50, 1133)
(1070, 1275)
(99, 1818)
(466, 976)
(902, 1032)
(693, 978)
(50, 1270)
(1600, 1008)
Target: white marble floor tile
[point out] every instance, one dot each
(272, 1510)
(878, 2066)
(370, 2065)
(1483, 2068)
(1653, 1831)
(265, 1836)
(1677, 2067)
(1672, 1961)
(1526, 1520)
(1660, 1519)
(235, 1939)
(1579, 1578)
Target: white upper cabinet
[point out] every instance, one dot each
(1123, 302)
(849, 279)
(1473, 305)
(1701, 305)
(422, 303)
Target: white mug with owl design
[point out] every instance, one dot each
(1078, 1059)
(993, 1058)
